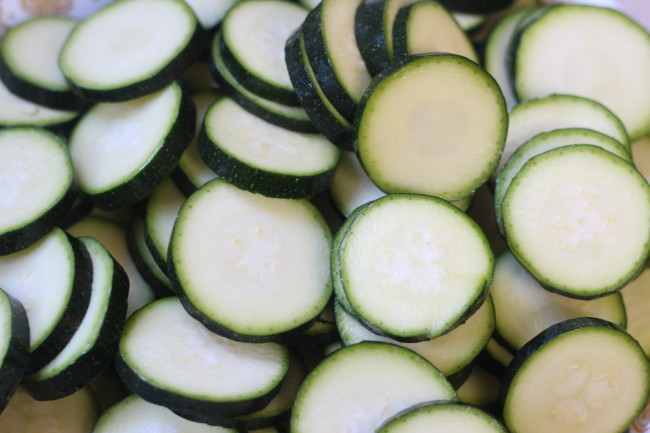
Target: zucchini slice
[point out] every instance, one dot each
(93, 346)
(122, 151)
(567, 210)
(439, 417)
(325, 117)
(131, 48)
(413, 266)
(250, 267)
(594, 52)
(52, 280)
(36, 186)
(29, 62)
(358, 387)
(210, 13)
(427, 26)
(333, 54)
(263, 158)
(351, 187)
(200, 372)
(254, 34)
(582, 375)
(413, 135)
(135, 415)
(524, 308)
(14, 346)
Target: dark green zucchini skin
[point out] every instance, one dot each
(322, 119)
(187, 406)
(253, 83)
(225, 81)
(170, 72)
(25, 236)
(267, 183)
(369, 31)
(74, 312)
(476, 6)
(17, 355)
(319, 59)
(183, 182)
(160, 166)
(96, 359)
(55, 99)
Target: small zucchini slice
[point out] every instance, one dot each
(583, 375)
(14, 346)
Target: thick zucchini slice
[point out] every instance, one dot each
(524, 308)
(36, 186)
(122, 151)
(250, 267)
(131, 48)
(582, 375)
(168, 358)
(254, 34)
(594, 52)
(93, 346)
(264, 158)
(546, 141)
(333, 54)
(426, 27)
(417, 254)
(413, 135)
(568, 209)
(450, 353)
(29, 62)
(286, 116)
(358, 387)
(160, 214)
(325, 117)
(14, 346)
(135, 415)
(52, 280)
(439, 417)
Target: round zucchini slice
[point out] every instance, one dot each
(583, 375)
(431, 124)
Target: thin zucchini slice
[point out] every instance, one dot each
(286, 116)
(247, 266)
(417, 254)
(351, 187)
(122, 151)
(159, 216)
(427, 26)
(358, 387)
(546, 141)
(29, 64)
(439, 417)
(637, 304)
(264, 158)
(52, 280)
(14, 346)
(76, 413)
(326, 119)
(524, 308)
(200, 371)
(135, 415)
(93, 346)
(36, 186)
(531, 117)
(131, 48)
(582, 375)
(254, 34)
(450, 353)
(412, 134)
(469, 22)
(333, 54)
(594, 52)
(568, 209)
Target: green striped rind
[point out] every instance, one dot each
(369, 30)
(16, 351)
(319, 59)
(158, 166)
(323, 115)
(286, 116)
(92, 361)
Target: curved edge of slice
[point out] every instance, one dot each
(14, 347)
